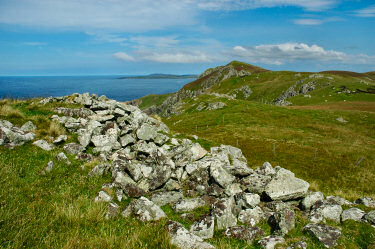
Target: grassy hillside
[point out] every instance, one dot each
(57, 210)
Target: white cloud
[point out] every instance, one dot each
(123, 56)
(35, 43)
(278, 54)
(154, 41)
(366, 12)
(129, 15)
(111, 38)
(308, 21)
(310, 5)
(177, 57)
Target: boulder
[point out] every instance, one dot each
(204, 227)
(244, 233)
(73, 148)
(338, 200)
(328, 211)
(282, 221)
(99, 169)
(355, 214)
(266, 169)
(147, 132)
(164, 198)
(298, 245)
(63, 158)
(103, 197)
(310, 199)
(327, 235)
(247, 200)
(113, 210)
(127, 140)
(222, 211)
(367, 201)
(255, 183)
(60, 139)
(370, 217)
(186, 205)
(182, 238)
(251, 216)
(84, 137)
(146, 210)
(48, 168)
(221, 176)
(271, 241)
(28, 126)
(43, 144)
(285, 186)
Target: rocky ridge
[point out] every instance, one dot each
(154, 169)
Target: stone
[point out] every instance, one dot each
(233, 189)
(159, 176)
(367, 201)
(113, 210)
(28, 126)
(221, 176)
(172, 185)
(133, 190)
(204, 227)
(134, 170)
(182, 238)
(341, 120)
(161, 139)
(127, 140)
(298, 245)
(187, 153)
(244, 233)
(370, 217)
(328, 211)
(327, 235)
(285, 186)
(63, 158)
(251, 216)
(186, 205)
(222, 211)
(271, 241)
(99, 169)
(49, 167)
(282, 221)
(84, 137)
(310, 199)
(60, 139)
(266, 169)
(255, 183)
(216, 105)
(146, 210)
(103, 197)
(248, 200)
(147, 132)
(164, 198)
(44, 145)
(338, 200)
(355, 214)
(73, 148)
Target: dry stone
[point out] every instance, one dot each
(204, 227)
(327, 235)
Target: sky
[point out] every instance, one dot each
(137, 37)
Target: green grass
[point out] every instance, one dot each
(57, 210)
(296, 134)
(153, 99)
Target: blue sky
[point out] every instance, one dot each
(128, 37)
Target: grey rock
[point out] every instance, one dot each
(28, 126)
(161, 139)
(127, 139)
(328, 211)
(204, 227)
(84, 137)
(255, 183)
(310, 199)
(43, 144)
(146, 132)
(182, 238)
(216, 105)
(338, 200)
(133, 190)
(186, 205)
(327, 235)
(73, 148)
(221, 176)
(60, 139)
(233, 189)
(164, 198)
(134, 170)
(63, 158)
(49, 167)
(370, 217)
(355, 214)
(271, 241)
(103, 197)
(99, 169)
(248, 200)
(285, 186)
(251, 216)
(282, 221)
(113, 210)
(6, 124)
(172, 185)
(298, 245)
(159, 176)
(244, 233)
(266, 169)
(367, 201)
(222, 211)
(190, 153)
(146, 210)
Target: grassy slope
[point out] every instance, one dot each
(296, 134)
(57, 210)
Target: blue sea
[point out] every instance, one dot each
(111, 86)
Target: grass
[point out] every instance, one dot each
(57, 210)
(296, 133)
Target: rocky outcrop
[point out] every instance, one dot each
(327, 235)
(12, 136)
(294, 91)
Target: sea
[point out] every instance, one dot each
(24, 87)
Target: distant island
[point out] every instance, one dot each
(162, 76)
